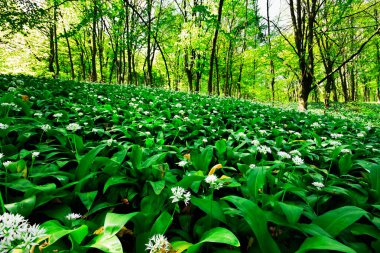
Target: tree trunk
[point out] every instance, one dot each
(271, 64)
(209, 84)
(94, 76)
(51, 50)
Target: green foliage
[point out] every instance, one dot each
(257, 178)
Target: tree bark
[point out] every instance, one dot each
(209, 84)
(94, 76)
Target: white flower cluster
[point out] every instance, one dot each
(3, 126)
(73, 127)
(1, 155)
(284, 155)
(158, 244)
(73, 216)
(180, 194)
(17, 233)
(318, 185)
(35, 154)
(212, 180)
(45, 128)
(336, 136)
(264, 149)
(182, 163)
(297, 160)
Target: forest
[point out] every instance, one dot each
(200, 126)
(314, 51)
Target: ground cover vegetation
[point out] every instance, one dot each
(314, 51)
(128, 169)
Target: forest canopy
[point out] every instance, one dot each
(317, 50)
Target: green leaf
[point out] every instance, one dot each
(221, 146)
(157, 186)
(85, 163)
(323, 243)
(56, 231)
(181, 246)
(118, 180)
(345, 164)
(87, 198)
(362, 229)
(216, 235)
(335, 221)
(256, 219)
(106, 244)
(201, 161)
(23, 207)
(292, 212)
(153, 160)
(162, 223)
(114, 222)
(256, 181)
(373, 177)
(136, 157)
(211, 207)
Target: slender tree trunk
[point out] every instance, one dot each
(213, 48)
(344, 84)
(57, 67)
(271, 64)
(94, 75)
(51, 50)
(69, 51)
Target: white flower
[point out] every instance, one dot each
(38, 114)
(345, 150)
(212, 180)
(335, 143)
(158, 244)
(251, 166)
(241, 135)
(318, 185)
(1, 155)
(7, 163)
(17, 233)
(45, 128)
(57, 115)
(336, 136)
(361, 135)
(283, 155)
(73, 127)
(182, 163)
(73, 216)
(295, 153)
(180, 194)
(3, 126)
(255, 142)
(297, 160)
(204, 140)
(35, 154)
(264, 149)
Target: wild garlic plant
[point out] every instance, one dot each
(17, 233)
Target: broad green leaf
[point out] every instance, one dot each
(87, 198)
(136, 157)
(373, 176)
(216, 235)
(118, 180)
(181, 246)
(345, 164)
(256, 181)
(221, 146)
(162, 223)
(23, 207)
(106, 244)
(256, 219)
(363, 229)
(157, 186)
(292, 212)
(323, 243)
(211, 207)
(202, 160)
(114, 222)
(85, 163)
(153, 160)
(335, 221)
(56, 231)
